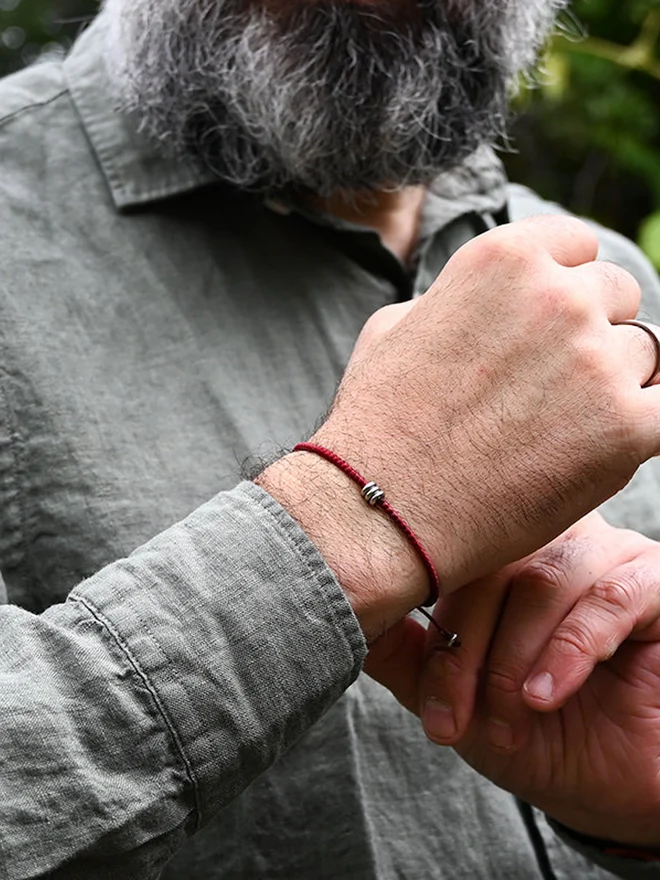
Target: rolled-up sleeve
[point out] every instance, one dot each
(162, 687)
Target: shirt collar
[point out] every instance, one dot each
(477, 186)
(138, 173)
(135, 170)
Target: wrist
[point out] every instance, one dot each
(433, 506)
(381, 574)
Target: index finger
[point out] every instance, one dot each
(625, 600)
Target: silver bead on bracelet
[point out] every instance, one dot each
(372, 494)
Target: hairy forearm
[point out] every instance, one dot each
(377, 568)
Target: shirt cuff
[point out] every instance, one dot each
(239, 630)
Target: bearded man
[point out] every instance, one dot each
(203, 205)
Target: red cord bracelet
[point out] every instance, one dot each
(375, 497)
(638, 855)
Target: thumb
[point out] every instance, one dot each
(396, 660)
(450, 677)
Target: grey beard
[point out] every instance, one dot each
(325, 95)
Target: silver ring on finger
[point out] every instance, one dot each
(654, 332)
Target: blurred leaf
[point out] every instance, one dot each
(589, 137)
(557, 75)
(649, 238)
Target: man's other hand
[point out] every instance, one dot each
(555, 692)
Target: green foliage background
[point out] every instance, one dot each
(588, 133)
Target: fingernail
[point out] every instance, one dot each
(500, 734)
(438, 719)
(541, 687)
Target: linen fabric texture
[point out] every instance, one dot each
(158, 329)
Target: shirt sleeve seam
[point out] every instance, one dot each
(36, 105)
(158, 702)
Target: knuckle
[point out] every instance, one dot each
(444, 667)
(576, 305)
(618, 278)
(581, 230)
(620, 596)
(504, 680)
(563, 226)
(381, 321)
(546, 572)
(575, 640)
(563, 302)
(502, 245)
(567, 224)
(593, 363)
(608, 613)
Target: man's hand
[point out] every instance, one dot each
(502, 407)
(532, 638)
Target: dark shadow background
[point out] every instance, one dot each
(587, 134)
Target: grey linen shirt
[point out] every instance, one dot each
(156, 330)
